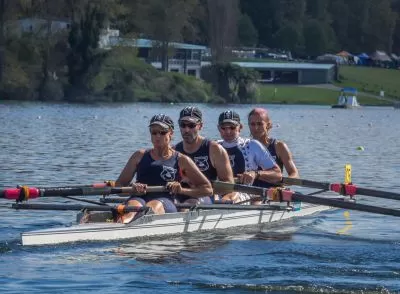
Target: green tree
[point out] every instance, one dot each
(315, 38)
(247, 33)
(290, 37)
(164, 21)
(380, 26)
(84, 40)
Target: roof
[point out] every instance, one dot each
(284, 65)
(349, 90)
(147, 43)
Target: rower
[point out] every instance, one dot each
(209, 156)
(161, 166)
(260, 126)
(249, 159)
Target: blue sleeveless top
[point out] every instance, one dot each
(272, 151)
(158, 172)
(201, 158)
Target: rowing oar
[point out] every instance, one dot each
(119, 208)
(24, 193)
(126, 208)
(281, 195)
(343, 189)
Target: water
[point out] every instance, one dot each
(61, 144)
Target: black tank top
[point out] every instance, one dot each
(271, 149)
(158, 172)
(201, 158)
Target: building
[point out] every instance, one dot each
(37, 26)
(292, 73)
(185, 58)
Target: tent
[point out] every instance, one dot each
(380, 56)
(331, 57)
(344, 54)
(363, 59)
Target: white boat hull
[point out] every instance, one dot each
(167, 224)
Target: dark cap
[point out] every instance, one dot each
(229, 116)
(192, 114)
(162, 120)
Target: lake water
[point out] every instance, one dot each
(62, 144)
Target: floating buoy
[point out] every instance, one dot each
(360, 148)
(171, 103)
(38, 117)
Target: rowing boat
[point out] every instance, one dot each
(167, 224)
(96, 222)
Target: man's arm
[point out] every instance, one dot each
(220, 160)
(286, 157)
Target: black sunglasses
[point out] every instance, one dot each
(162, 133)
(189, 125)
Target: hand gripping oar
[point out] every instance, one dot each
(343, 189)
(281, 195)
(24, 193)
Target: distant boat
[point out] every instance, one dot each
(347, 98)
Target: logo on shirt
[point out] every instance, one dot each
(168, 173)
(232, 160)
(201, 162)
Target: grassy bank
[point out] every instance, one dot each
(371, 80)
(305, 95)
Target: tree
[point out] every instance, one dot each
(247, 33)
(289, 37)
(163, 21)
(315, 38)
(223, 24)
(380, 26)
(84, 40)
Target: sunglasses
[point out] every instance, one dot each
(232, 128)
(189, 125)
(155, 133)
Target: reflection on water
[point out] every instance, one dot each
(61, 144)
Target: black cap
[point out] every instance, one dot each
(191, 113)
(229, 116)
(162, 120)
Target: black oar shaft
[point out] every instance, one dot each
(378, 194)
(346, 205)
(231, 207)
(78, 207)
(306, 183)
(329, 186)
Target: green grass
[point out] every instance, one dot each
(371, 80)
(305, 95)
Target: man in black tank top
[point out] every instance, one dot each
(209, 156)
(260, 126)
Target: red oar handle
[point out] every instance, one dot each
(20, 194)
(24, 193)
